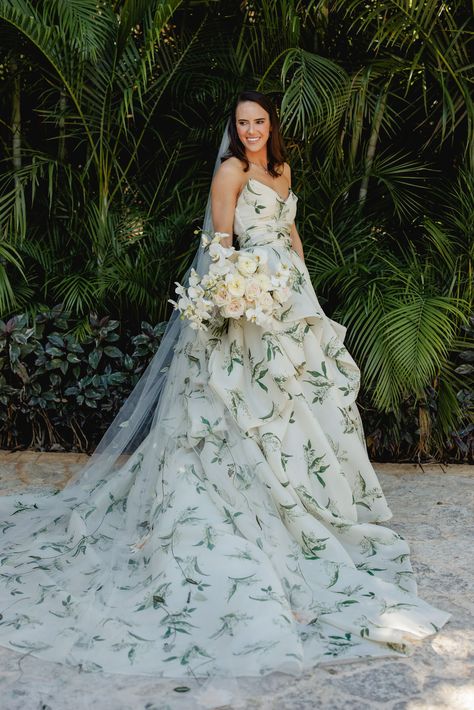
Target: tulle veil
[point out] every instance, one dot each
(141, 410)
(145, 411)
(114, 470)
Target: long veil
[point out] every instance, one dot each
(52, 533)
(140, 410)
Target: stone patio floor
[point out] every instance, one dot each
(433, 508)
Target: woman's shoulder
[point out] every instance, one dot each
(229, 173)
(231, 165)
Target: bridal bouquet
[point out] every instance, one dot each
(237, 285)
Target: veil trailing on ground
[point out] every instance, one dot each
(138, 413)
(110, 502)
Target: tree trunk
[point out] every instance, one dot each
(16, 117)
(379, 112)
(358, 121)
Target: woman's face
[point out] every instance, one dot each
(253, 125)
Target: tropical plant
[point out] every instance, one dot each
(59, 394)
(111, 113)
(88, 226)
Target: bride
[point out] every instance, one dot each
(230, 523)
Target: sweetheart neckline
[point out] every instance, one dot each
(284, 200)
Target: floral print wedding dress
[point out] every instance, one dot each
(245, 533)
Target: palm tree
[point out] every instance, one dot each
(377, 113)
(108, 68)
(380, 242)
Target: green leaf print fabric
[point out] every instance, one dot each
(246, 533)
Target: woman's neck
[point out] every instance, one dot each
(259, 158)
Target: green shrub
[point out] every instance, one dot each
(402, 435)
(57, 393)
(60, 394)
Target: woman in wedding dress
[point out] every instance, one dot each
(230, 524)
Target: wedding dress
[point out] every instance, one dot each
(243, 535)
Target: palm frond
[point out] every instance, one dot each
(404, 180)
(79, 293)
(316, 94)
(434, 40)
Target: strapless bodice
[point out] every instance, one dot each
(262, 216)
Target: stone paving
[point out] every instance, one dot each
(433, 508)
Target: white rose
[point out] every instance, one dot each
(246, 265)
(221, 295)
(263, 281)
(252, 290)
(234, 308)
(235, 285)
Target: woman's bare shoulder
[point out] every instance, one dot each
(229, 175)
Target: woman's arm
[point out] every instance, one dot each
(225, 190)
(296, 243)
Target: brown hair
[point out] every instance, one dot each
(276, 151)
